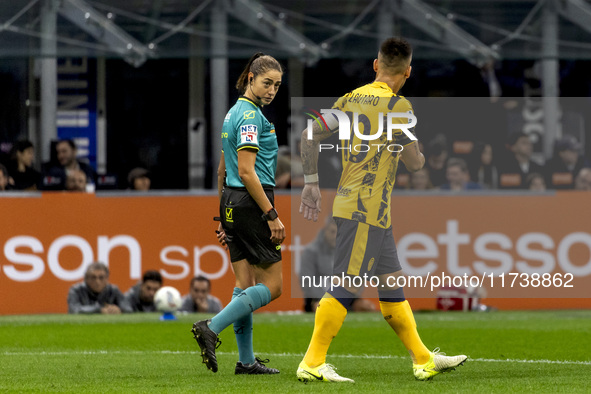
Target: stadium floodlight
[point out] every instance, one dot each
(103, 29)
(257, 17)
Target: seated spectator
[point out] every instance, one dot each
(4, 178)
(565, 164)
(96, 294)
(199, 298)
(517, 164)
(141, 296)
(283, 172)
(419, 180)
(317, 262)
(482, 169)
(25, 177)
(139, 179)
(458, 177)
(290, 172)
(76, 181)
(583, 179)
(535, 182)
(436, 157)
(55, 173)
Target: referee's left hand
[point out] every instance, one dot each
(277, 231)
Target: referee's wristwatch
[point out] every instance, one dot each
(270, 215)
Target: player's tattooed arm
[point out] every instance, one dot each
(310, 205)
(309, 147)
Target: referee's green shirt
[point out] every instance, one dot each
(245, 126)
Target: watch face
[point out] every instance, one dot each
(271, 215)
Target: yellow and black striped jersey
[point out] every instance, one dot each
(369, 167)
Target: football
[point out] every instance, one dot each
(167, 299)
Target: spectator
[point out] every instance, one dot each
(317, 263)
(76, 181)
(419, 180)
(482, 169)
(54, 174)
(141, 296)
(139, 179)
(199, 298)
(458, 177)
(4, 177)
(565, 164)
(283, 173)
(518, 164)
(535, 182)
(96, 294)
(289, 169)
(436, 157)
(583, 179)
(25, 177)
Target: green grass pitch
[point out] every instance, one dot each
(546, 351)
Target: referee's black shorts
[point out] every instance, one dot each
(248, 234)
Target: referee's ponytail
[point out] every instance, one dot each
(259, 63)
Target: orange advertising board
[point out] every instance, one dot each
(47, 239)
(520, 251)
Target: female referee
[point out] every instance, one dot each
(250, 225)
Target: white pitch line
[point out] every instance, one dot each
(298, 355)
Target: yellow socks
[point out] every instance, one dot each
(399, 316)
(330, 315)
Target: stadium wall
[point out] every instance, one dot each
(47, 239)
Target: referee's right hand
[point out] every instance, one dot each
(277, 231)
(221, 234)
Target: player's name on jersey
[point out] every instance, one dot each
(359, 98)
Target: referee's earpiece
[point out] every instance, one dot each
(252, 91)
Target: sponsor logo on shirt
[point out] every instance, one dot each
(249, 114)
(248, 134)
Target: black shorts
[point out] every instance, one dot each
(248, 234)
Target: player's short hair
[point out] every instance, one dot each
(152, 275)
(201, 278)
(395, 54)
(258, 64)
(456, 161)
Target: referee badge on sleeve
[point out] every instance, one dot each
(248, 134)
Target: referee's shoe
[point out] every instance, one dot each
(208, 341)
(256, 368)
